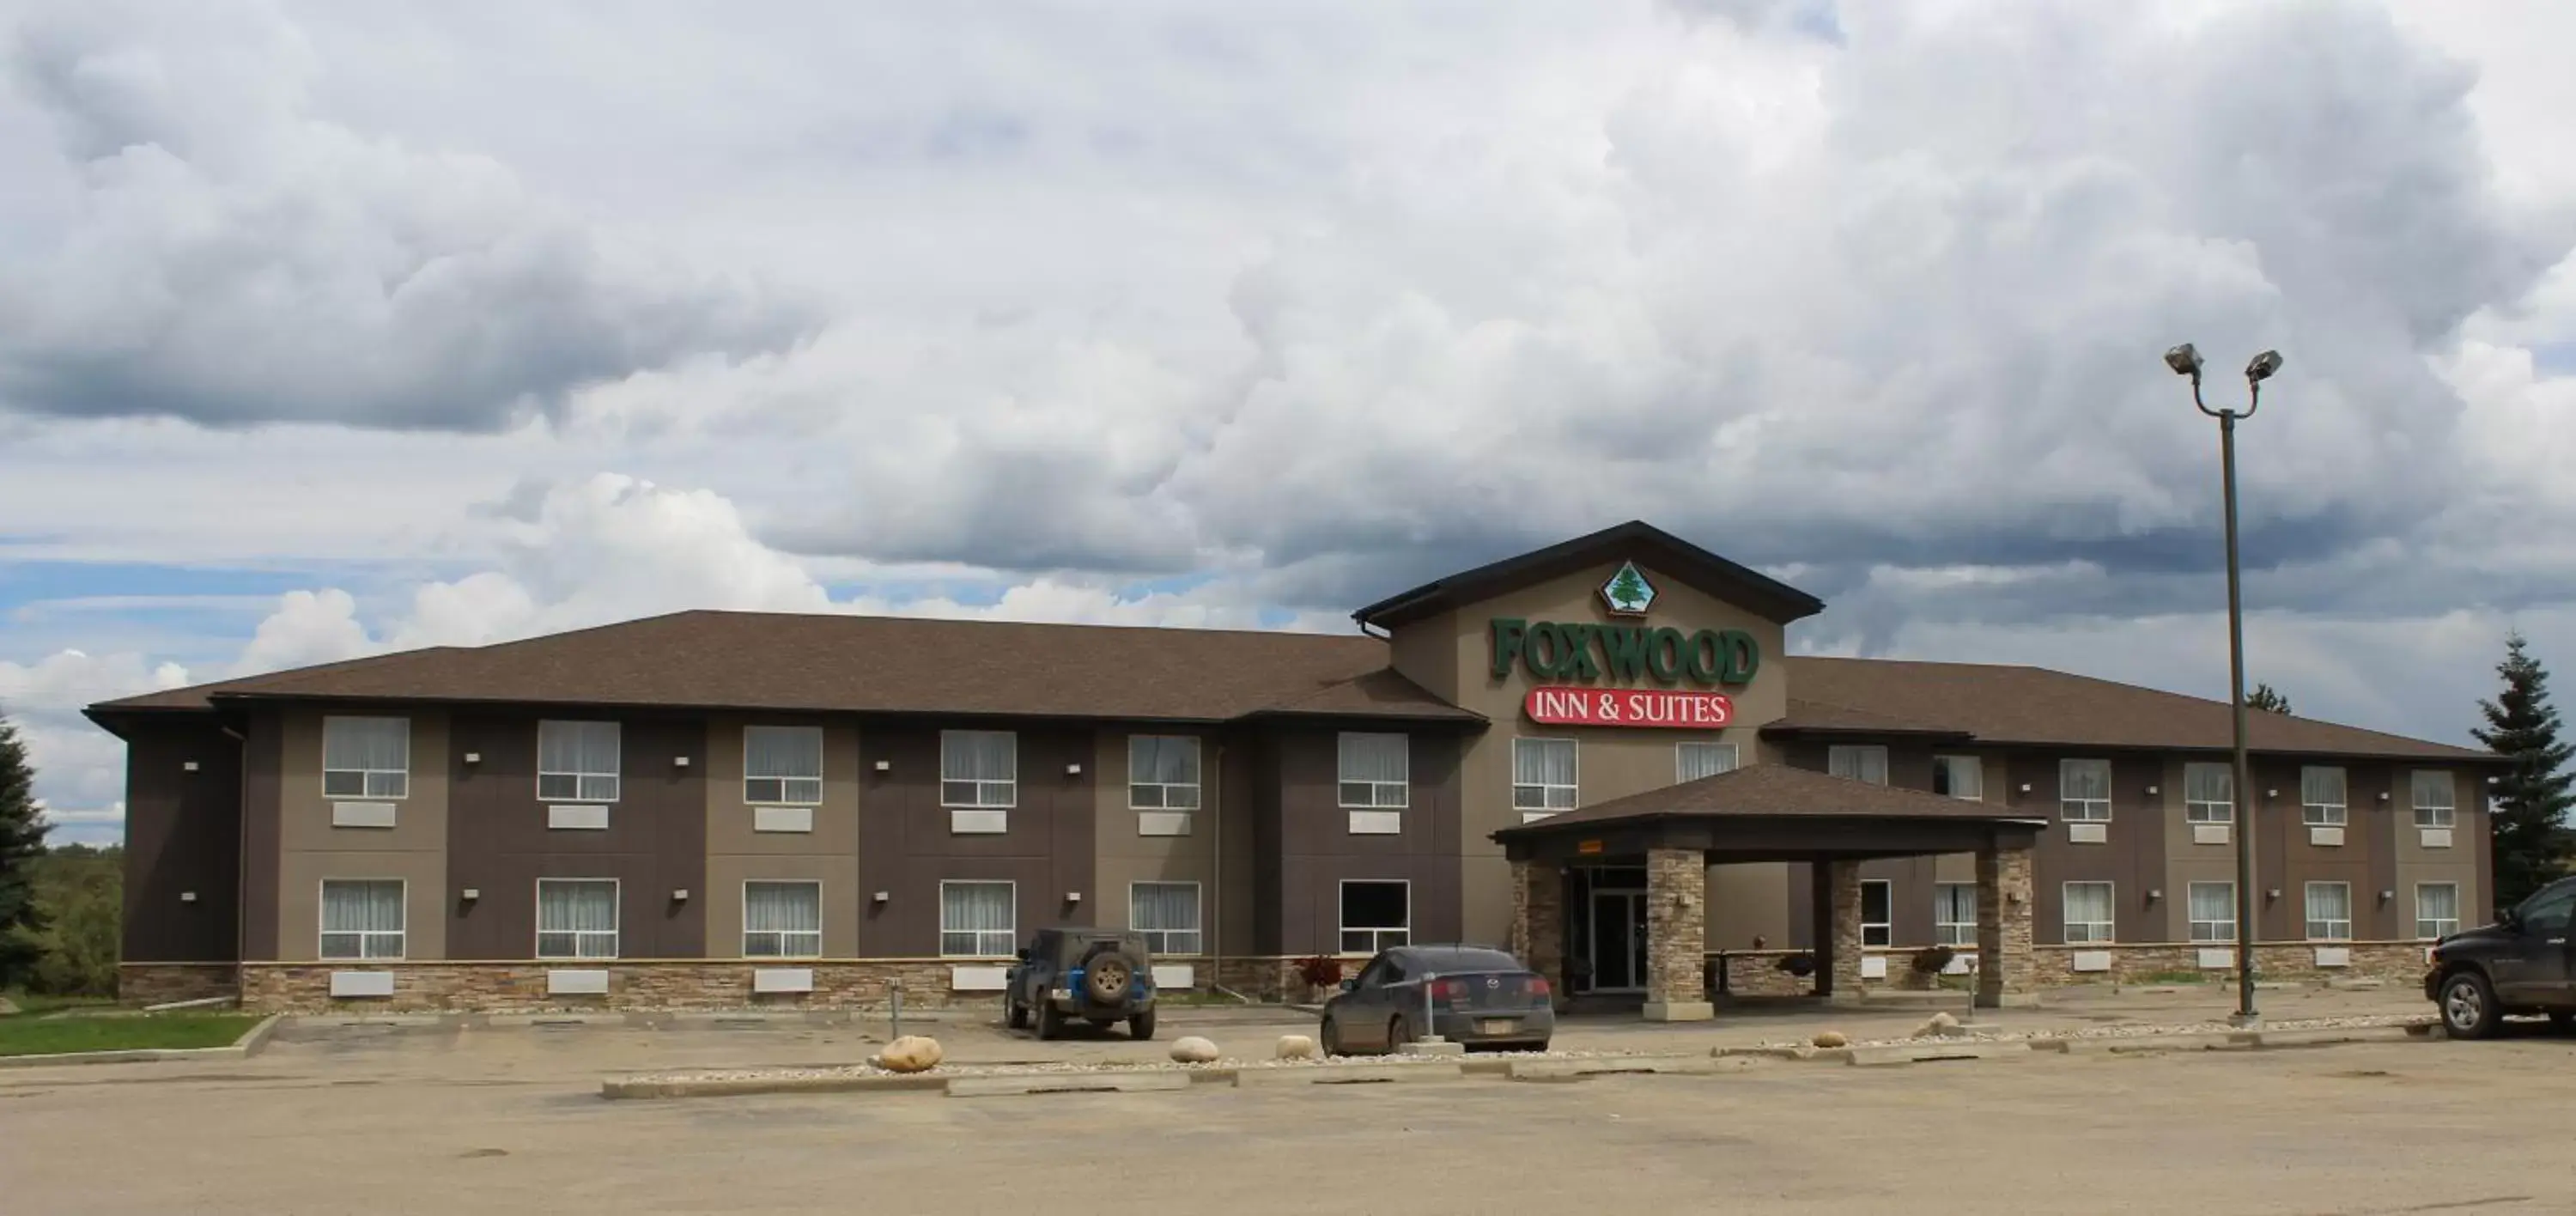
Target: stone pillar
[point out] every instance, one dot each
(1839, 975)
(2004, 975)
(1676, 935)
(1538, 920)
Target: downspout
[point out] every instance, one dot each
(241, 854)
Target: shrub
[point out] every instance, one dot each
(1932, 960)
(1320, 971)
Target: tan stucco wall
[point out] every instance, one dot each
(1451, 656)
(1748, 901)
(310, 849)
(1121, 857)
(736, 854)
(727, 872)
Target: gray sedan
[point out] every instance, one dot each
(1474, 995)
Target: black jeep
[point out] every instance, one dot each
(2523, 963)
(1097, 975)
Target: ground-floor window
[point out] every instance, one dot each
(1376, 914)
(2329, 911)
(1954, 913)
(2437, 909)
(2088, 912)
(2212, 909)
(782, 920)
(576, 918)
(978, 919)
(1167, 913)
(1877, 912)
(362, 918)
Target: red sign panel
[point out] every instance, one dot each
(1629, 707)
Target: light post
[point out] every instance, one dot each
(2186, 362)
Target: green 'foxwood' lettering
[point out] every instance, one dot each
(1624, 653)
(1509, 633)
(1624, 646)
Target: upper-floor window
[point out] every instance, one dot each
(366, 757)
(1959, 777)
(2208, 793)
(1374, 771)
(2433, 794)
(577, 761)
(2084, 790)
(1162, 772)
(979, 768)
(782, 765)
(1692, 761)
(1543, 775)
(1859, 762)
(2321, 803)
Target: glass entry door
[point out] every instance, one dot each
(1616, 948)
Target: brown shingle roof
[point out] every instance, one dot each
(2033, 705)
(1766, 789)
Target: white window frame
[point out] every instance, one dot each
(2109, 930)
(2083, 810)
(1380, 936)
(1886, 928)
(1164, 790)
(372, 782)
(1552, 798)
(1949, 932)
(785, 784)
(584, 792)
(2202, 810)
(2437, 922)
(2308, 906)
(324, 932)
(2325, 814)
(1683, 748)
(987, 789)
(1161, 941)
(1379, 791)
(1010, 937)
(1949, 766)
(2447, 812)
(2219, 932)
(780, 936)
(582, 943)
(1861, 754)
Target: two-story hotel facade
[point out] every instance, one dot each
(715, 809)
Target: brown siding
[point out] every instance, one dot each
(906, 848)
(182, 834)
(2286, 861)
(498, 843)
(263, 785)
(1317, 850)
(2133, 861)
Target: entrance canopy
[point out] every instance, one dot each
(1771, 812)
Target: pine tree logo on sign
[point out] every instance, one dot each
(1628, 593)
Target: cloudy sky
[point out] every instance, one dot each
(329, 328)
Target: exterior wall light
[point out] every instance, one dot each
(474, 757)
(1073, 770)
(885, 766)
(680, 896)
(680, 761)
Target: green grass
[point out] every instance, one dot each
(26, 1034)
(31, 1004)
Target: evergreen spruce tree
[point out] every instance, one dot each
(2531, 797)
(22, 844)
(2268, 699)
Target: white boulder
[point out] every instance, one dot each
(1191, 1049)
(911, 1053)
(1832, 1038)
(1296, 1047)
(1940, 1026)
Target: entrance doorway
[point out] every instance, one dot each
(1610, 946)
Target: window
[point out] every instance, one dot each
(2329, 911)
(1954, 913)
(1373, 771)
(1543, 774)
(577, 761)
(1162, 772)
(1375, 915)
(2208, 793)
(366, 757)
(2548, 911)
(1959, 777)
(782, 920)
(782, 765)
(979, 768)
(576, 918)
(1877, 912)
(2212, 909)
(2084, 791)
(2437, 909)
(2088, 912)
(2432, 798)
(978, 919)
(2321, 796)
(1692, 761)
(362, 918)
(1167, 913)
(1857, 762)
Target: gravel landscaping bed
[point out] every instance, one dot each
(1096, 1066)
(1970, 1032)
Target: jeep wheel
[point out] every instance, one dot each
(1106, 978)
(1050, 1023)
(1141, 1026)
(2469, 1006)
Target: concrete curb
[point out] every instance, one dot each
(1350, 1074)
(729, 1088)
(1611, 1066)
(1930, 1050)
(2152, 1044)
(250, 1044)
(1067, 1083)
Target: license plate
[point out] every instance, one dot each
(1494, 1026)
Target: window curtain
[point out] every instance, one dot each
(2437, 902)
(2084, 780)
(350, 909)
(1373, 758)
(792, 910)
(1167, 907)
(978, 755)
(578, 907)
(366, 744)
(1697, 760)
(2088, 902)
(1955, 903)
(1543, 761)
(2431, 790)
(2212, 901)
(1963, 777)
(2208, 783)
(2321, 786)
(1163, 759)
(783, 763)
(2328, 901)
(577, 747)
(1858, 763)
(975, 918)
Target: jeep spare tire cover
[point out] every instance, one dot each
(1108, 975)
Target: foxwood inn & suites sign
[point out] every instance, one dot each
(1625, 654)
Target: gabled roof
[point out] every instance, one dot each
(1996, 704)
(1766, 790)
(1751, 590)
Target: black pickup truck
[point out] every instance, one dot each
(2521, 964)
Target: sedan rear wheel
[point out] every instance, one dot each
(1332, 1038)
(1397, 1036)
(2469, 1006)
